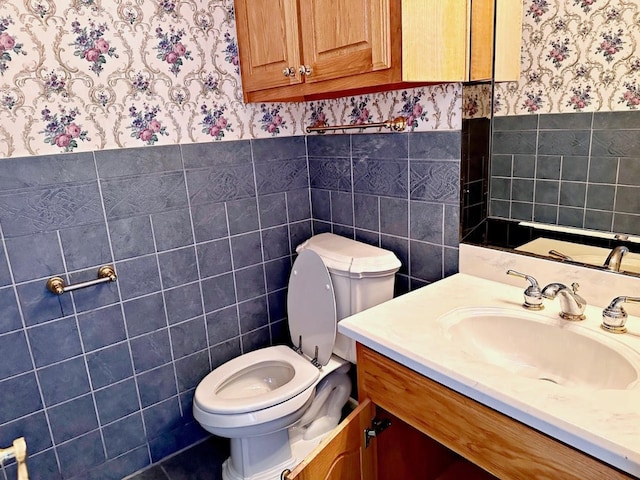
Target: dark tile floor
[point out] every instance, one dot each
(200, 462)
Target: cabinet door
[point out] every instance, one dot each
(342, 455)
(481, 47)
(268, 43)
(345, 37)
(435, 40)
(508, 40)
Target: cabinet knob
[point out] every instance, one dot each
(305, 70)
(289, 72)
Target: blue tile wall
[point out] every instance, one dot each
(573, 169)
(398, 191)
(100, 381)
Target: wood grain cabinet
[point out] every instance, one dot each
(437, 434)
(453, 40)
(293, 50)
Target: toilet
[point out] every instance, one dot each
(277, 403)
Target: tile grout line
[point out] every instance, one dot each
(122, 312)
(233, 277)
(262, 255)
(166, 318)
(32, 357)
(83, 354)
(199, 270)
(588, 172)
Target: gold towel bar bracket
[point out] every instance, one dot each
(106, 273)
(17, 451)
(397, 124)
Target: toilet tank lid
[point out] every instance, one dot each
(341, 254)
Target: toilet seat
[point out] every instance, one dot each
(311, 307)
(238, 386)
(270, 376)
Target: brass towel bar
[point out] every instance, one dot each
(106, 274)
(17, 451)
(397, 124)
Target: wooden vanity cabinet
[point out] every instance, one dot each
(293, 50)
(399, 452)
(437, 434)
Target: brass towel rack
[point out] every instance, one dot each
(106, 274)
(397, 124)
(17, 451)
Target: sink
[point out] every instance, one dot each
(537, 347)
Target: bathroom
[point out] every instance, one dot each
(150, 162)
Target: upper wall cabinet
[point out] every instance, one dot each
(453, 40)
(302, 49)
(292, 49)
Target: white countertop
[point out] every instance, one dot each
(601, 423)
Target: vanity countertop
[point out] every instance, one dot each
(601, 423)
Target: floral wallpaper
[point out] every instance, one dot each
(577, 56)
(476, 100)
(81, 75)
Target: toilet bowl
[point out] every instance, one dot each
(251, 394)
(259, 398)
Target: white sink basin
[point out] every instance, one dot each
(536, 347)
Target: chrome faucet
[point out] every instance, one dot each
(614, 259)
(614, 316)
(532, 294)
(572, 305)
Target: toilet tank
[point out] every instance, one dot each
(362, 276)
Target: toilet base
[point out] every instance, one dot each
(229, 473)
(259, 458)
(265, 457)
(299, 448)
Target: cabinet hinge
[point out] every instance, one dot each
(377, 427)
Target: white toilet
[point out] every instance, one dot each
(266, 401)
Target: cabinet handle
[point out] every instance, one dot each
(305, 70)
(289, 72)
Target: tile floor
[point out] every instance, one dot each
(203, 461)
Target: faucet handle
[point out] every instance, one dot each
(614, 316)
(532, 294)
(575, 286)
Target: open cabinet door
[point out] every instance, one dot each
(342, 455)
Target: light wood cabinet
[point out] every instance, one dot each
(438, 434)
(453, 40)
(293, 50)
(267, 41)
(343, 454)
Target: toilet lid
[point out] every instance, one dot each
(311, 305)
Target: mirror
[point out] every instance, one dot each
(559, 168)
